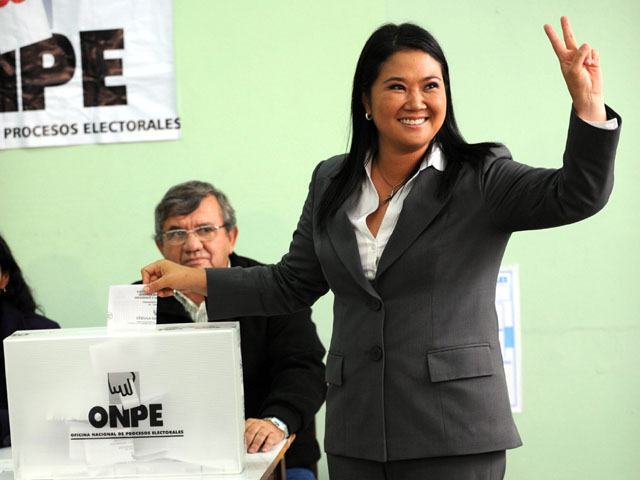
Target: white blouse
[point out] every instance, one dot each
(366, 202)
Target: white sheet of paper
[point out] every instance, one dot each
(130, 308)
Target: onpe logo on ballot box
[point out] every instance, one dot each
(122, 384)
(125, 408)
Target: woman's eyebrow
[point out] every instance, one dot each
(401, 79)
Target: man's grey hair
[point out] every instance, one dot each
(184, 198)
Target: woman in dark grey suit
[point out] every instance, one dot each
(408, 231)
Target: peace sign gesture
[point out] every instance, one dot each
(581, 70)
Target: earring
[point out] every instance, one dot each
(368, 116)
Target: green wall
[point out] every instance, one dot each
(263, 93)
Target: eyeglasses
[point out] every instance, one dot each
(204, 233)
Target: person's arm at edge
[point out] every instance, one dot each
(298, 385)
(298, 388)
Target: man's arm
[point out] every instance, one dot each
(298, 388)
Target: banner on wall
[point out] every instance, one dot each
(104, 74)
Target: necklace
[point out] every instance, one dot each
(394, 188)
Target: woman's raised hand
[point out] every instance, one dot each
(164, 277)
(581, 70)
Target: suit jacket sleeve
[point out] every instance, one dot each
(296, 282)
(520, 197)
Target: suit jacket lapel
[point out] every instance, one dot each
(419, 209)
(345, 244)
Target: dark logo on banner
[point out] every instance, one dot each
(122, 384)
(125, 386)
(52, 62)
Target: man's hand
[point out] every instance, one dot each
(164, 277)
(261, 435)
(581, 70)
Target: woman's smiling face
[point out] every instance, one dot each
(408, 102)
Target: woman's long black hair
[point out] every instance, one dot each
(17, 291)
(383, 43)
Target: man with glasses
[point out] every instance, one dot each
(281, 356)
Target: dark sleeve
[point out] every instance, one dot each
(520, 197)
(298, 387)
(294, 283)
(5, 433)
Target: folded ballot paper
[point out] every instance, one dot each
(130, 308)
(96, 402)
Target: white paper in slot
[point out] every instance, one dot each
(130, 308)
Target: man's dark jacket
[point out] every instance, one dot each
(282, 369)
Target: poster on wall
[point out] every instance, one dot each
(508, 309)
(104, 74)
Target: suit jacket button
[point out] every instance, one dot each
(376, 353)
(374, 304)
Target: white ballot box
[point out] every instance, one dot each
(87, 403)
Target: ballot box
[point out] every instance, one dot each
(87, 403)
